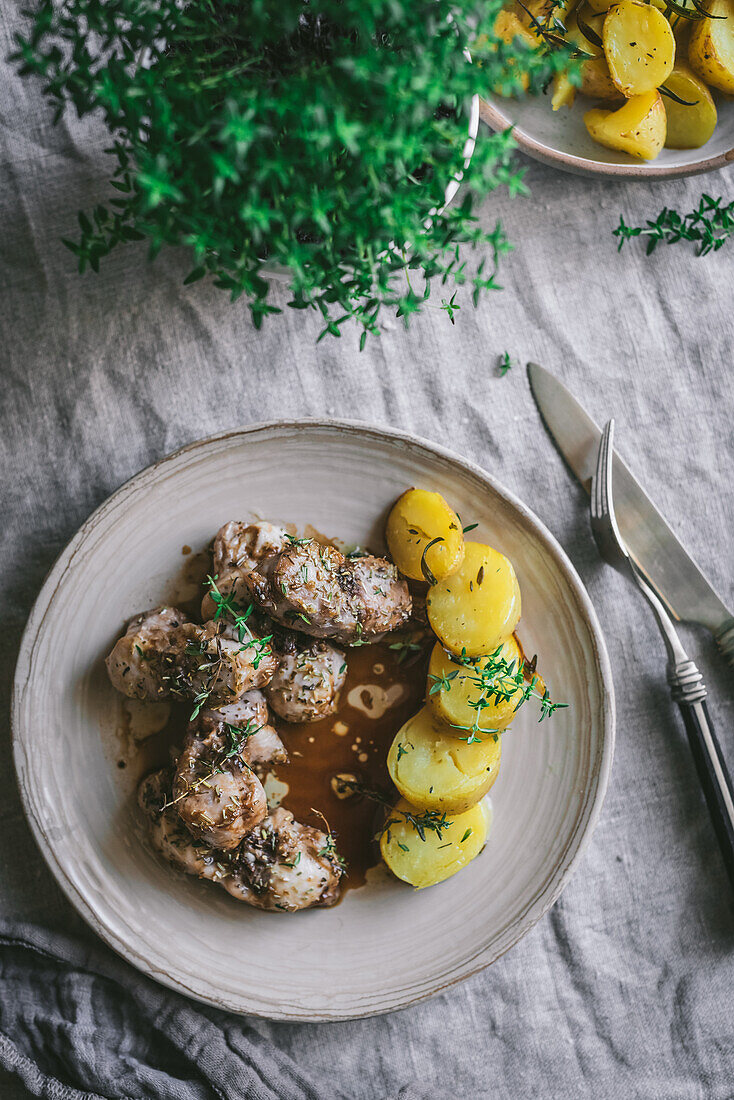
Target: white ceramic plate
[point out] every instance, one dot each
(559, 138)
(385, 946)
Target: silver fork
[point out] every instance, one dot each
(686, 682)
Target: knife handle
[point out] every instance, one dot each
(690, 694)
(725, 640)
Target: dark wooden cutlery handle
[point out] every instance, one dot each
(713, 775)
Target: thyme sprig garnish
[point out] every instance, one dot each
(425, 822)
(709, 227)
(236, 737)
(496, 680)
(228, 608)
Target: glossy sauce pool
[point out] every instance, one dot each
(379, 695)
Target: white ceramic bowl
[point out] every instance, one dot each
(385, 946)
(559, 138)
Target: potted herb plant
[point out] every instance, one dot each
(318, 137)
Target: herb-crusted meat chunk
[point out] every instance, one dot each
(134, 666)
(306, 685)
(283, 865)
(217, 794)
(316, 590)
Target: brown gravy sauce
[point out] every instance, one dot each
(353, 741)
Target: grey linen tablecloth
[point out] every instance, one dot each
(626, 988)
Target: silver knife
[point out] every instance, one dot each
(675, 576)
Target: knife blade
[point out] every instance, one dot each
(679, 581)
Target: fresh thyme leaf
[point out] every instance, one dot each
(451, 307)
(505, 364)
(709, 227)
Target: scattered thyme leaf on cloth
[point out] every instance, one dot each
(709, 226)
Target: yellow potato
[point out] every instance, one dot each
(595, 79)
(711, 49)
(477, 608)
(435, 770)
(564, 92)
(688, 127)
(417, 518)
(447, 847)
(508, 27)
(599, 5)
(453, 688)
(639, 47)
(637, 128)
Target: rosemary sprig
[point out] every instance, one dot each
(709, 226)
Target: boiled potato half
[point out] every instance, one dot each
(453, 687)
(689, 127)
(435, 770)
(639, 47)
(711, 49)
(507, 28)
(477, 607)
(637, 128)
(564, 92)
(441, 853)
(417, 519)
(596, 81)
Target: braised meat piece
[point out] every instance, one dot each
(307, 682)
(239, 545)
(215, 791)
(209, 663)
(316, 590)
(280, 866)
(262, 744)
(135, 665)
(283, 865)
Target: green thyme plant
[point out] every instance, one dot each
(710, 225)
(319, 136)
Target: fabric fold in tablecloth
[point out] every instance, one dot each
(77, 1022)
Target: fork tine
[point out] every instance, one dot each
(604, 470)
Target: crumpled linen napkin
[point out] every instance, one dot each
(77, 1022)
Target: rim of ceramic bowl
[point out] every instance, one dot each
(588, 815)
(498, 121)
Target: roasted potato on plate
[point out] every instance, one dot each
(690, 124)
(638, 128)
(596, 81)
(477, 607)
(639, 47)
(444, 849)
(455, 688)
(711, 49)
(418, 519)
(434, 769)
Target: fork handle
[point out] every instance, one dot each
(690, 694)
